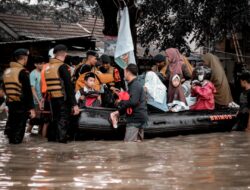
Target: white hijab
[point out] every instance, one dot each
(155, 88)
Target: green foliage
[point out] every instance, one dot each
(166, 23)
(59, 10)
(169, 23)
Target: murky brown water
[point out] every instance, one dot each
(210, 161)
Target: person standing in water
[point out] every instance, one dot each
(35, 82)
(61, 94)
(135, 107)
(17, 88)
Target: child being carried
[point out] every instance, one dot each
(87, 96)
(203, 89)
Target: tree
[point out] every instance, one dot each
(169, 23)
(164, 23)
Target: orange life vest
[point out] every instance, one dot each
(43, 80)
(101, 79)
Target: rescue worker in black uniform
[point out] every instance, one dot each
(17, 88)
(88, 65)
(61, 94)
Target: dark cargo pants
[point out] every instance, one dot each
(59, 127)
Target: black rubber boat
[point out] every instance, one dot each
(93, 123)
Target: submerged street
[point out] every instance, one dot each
(207, 161)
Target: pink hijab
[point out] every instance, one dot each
(175, 61)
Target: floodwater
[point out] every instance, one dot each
(208, 161)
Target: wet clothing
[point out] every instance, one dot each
(223, 94)
(61, 106)
(17, 120)
(60, 125)
(137, 102)
(205, 97)
(18, 107)
(248, 99)
(135, 132)
(243, 115)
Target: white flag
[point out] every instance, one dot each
(124, 45)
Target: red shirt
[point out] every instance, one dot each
(205, 97)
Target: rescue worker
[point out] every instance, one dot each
(86, 65)
(61, 94)
(135, 107)
(107, 68)
(90, 66)
(19, 96)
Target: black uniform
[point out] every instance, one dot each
(19, 110)
(61, 107)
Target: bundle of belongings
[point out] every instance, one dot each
(156, 92)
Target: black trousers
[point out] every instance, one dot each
(242, 121)
(59, 127)
(16, 124)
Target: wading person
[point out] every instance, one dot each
(35, 82)
(135, 107)
(61, 94)
(244, 116)
(46, 105)
(19, 96)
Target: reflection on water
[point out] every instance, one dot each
(210, 161)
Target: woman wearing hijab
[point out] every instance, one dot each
(156, 92)
(177, 70)
(223, 96)
(177, 65)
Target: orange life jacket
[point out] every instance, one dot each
(43, 80)
(101, 79)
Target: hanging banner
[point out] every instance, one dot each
(124, 52)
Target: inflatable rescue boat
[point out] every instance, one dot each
(94, 123)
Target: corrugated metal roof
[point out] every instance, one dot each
(25, 26)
